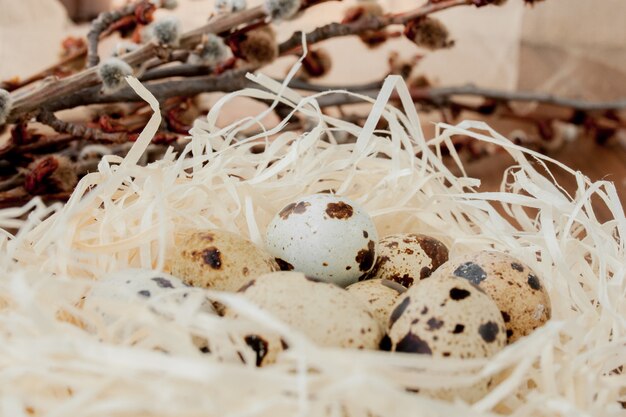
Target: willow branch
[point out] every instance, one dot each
(34, 100)
(334, 30)
(79, 131)
(101, 24)
(442, 95)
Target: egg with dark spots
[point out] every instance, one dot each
(432, 319)
(330, 316)
(218, 260)
(129, 284)
(379, 294)
(517, 290)
(324, 236)
(408, 258)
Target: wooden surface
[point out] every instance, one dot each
(595, 161)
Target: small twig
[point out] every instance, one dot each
(15, 181)
(35, 100)
(442, 95)
(334, 30)
(79, 131)
(102, 23)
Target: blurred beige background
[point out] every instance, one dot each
(574, 48)
(570, 47)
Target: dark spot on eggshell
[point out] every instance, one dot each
(424, 311)
(284, 344)
(365, 257)
(241, 357)
(393, 285)
(413, 390)
(533, 282)
(505, 316)
(409, 251)
(434, 249)
(339, 210)
(471, 272)
(458, 328)
(397, 312)
(434, 323)
(348, 268)
(405, 280)
(380, 261)
(412, 343)
(144, 293)
(385, 344)
(509, 333)
(259, 346)
(392, 245)
(245, 271)
(459, 293)
(425, 272)
(207, 236)
(205, 349)
(247, 285)
(488, 331)
(293, 208)
(324, 263)
(212, 257)
(517, 267)
(365, 234)
(284, 265)
(163, 282)
(446, 354)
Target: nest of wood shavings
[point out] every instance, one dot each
(58, 358)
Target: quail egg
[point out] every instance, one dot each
(219, 260)
(407, 258)
(447, 317)
(327, 314)
(324, 236)
(517, 290)
(380, 294)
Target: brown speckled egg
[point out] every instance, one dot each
(324, 236)
(447, 317)
(380, 294)
(324, 312)
(516, 289)
(407, 258)
(219, 260)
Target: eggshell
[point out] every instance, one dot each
(381, 295)
(324, 236)
(327, 314)
(140, 284)
(519, 293)
(407, 258)
(447, 317)
(219, 260)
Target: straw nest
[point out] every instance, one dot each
(61, 358)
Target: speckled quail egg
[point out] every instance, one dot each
(519, 293)
(219, 260)
(447, 317)
(407, 258)
(380, 294)
(327, 314)
(137, 283)
(324, 236)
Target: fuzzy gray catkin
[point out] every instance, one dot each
(113, 73)
(213, 51)
(282, 9)
(166, 31)
(6, 103)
